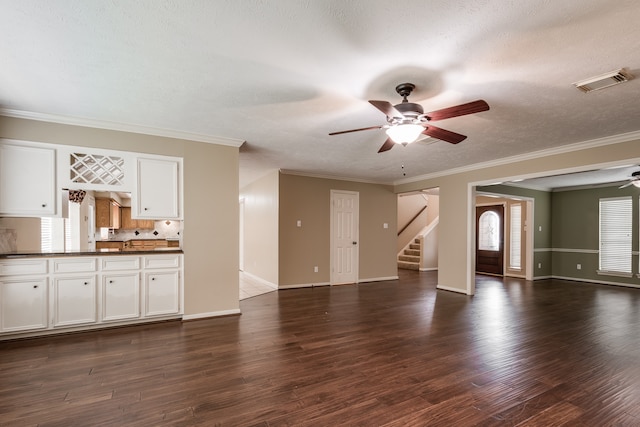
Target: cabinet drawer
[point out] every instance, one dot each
(120, 263)
(76, 265)
(162, 261)
(23, 267)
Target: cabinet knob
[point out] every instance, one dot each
(86, 283)
(146, 209)
(35, 286)
(44, 205)
(110, 281)
(153, 278)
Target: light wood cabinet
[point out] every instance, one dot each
(127, 223)
(102, 244)
(27, 181)
(107, 213)
(145, 245)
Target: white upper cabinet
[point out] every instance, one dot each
(27, 181)
(157, 195)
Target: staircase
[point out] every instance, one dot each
(410, 259)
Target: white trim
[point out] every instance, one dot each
(429, 269)
(542, 277)
(210, 314)
(597, 282)
(304, 285)
(122, 127)
(614, 273)
(259, 279)
(377, 279)
(584, 145)
(331, 177)
(542, 250)
(456, 290)
(576, 251)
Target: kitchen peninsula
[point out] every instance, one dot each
(56, 275)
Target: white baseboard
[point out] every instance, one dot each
(542, 277)
(429, 269)
(261, 280)
(597, 282)
(211, 314)
(378, 279)
(304, 285)
(456, 290)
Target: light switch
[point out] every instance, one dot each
(299, 223)
(385, 225)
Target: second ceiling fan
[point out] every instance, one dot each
(407, 121)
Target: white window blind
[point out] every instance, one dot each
(615, 235)
(515, 240)
(46, 234)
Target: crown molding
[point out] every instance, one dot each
(333, 177)
(584, 145)
(123, 127)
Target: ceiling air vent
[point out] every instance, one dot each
(604, 80)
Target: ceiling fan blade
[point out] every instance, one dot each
(626, 185)
(355, 130)
(443, 134)
(458, 110)
(387, 108)
(388, 145)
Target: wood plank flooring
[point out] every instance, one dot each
(398, 353)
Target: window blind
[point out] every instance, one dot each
(515, 240)
(615, 234)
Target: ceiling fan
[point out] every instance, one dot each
(633, 180)
(407, 121)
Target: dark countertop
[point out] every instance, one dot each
(97, 252)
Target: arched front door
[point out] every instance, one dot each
(490, 239)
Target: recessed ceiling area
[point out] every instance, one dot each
(281, 76)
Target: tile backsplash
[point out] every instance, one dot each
(161, 230)
(8, 240)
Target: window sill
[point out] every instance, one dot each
(614, 273)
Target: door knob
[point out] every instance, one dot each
(355, 243)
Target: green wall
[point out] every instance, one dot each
(574, 221)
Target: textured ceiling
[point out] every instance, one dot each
(281, 75)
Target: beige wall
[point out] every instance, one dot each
(301, 248)
(457, 201)
(261, 227)
(210, 240)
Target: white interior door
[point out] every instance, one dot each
(344, 237)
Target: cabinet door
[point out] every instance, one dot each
(157, 195)
(121, 296)
(74, 301)
(162, 293)
(27, 181)
(23, 304)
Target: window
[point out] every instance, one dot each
(515, 241)
(615, 235)
(489, 232)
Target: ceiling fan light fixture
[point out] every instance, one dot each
(405, 133)
(636, 183)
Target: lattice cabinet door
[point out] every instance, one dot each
(94, 169)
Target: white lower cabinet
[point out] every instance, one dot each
(75, 301)
(162, 293)
(43, 295)
(121, 296)
(23, 304)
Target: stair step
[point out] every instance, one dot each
(413, 252)
(414, 246)
(416, 241)
(408, 265)
(409, 258)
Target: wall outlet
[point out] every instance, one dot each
(315, 269)
(539, 265)
(579, 266)
(299, 223)
(539, 228)
(385, 225)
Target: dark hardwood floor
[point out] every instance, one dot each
(399, 353)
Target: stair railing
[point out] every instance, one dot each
(412, 219)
